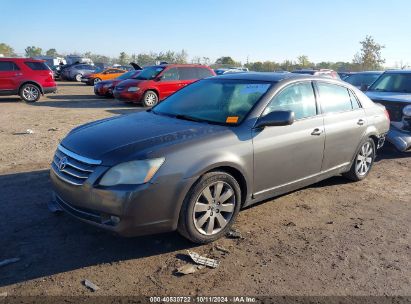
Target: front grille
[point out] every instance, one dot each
(72, 168)
(393, 108)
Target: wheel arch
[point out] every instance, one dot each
(31, 82)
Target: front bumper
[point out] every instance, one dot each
(140, 209)
(102, 91)
(128, 96)
(401, 139)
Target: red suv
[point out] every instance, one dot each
(155, 83)
(26, 77)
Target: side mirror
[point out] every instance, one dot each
(364, 87)
(158, 78)
(276, 118)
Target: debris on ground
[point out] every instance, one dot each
(155, 282)
(290, 224)
(357, 226)
(330, 223)
(9, 261)
(53, 129)
(90, 285)
(3, 294)
(234, 234)
(188, 269)
(29, 131)
(203, 260)
(222, 249)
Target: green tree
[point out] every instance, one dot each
(33, 51)
(124, 59)
(6, 50)
(369, 57)
(303, 61)
(52, 53)
(225, 60)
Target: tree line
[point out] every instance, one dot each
(369, 57)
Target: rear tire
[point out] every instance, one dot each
(363, 162)
(210, 208)
(150, 99)
(30, 92)
(96, 80)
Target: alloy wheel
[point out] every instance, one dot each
(31, 93)
(150, 99)
(214, 208)
(364, 159)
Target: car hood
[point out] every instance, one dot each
(130, 82)
(111, 82)
(389, 96)
(134, 136)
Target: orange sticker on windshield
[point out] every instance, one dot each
(232, 119)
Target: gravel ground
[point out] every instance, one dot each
(332, 238)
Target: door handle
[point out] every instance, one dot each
(317, 132)
(361, 122)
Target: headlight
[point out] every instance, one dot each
(106, 85)
(133, 89)
(132, 173)
(407, 111)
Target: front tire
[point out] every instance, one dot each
(210, 208)
(78, 77)
(363, 161)
(150, 98)
(96, 80)
(30, 92)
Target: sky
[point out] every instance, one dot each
(324, 30)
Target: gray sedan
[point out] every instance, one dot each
(223, 143)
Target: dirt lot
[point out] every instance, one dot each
(333, 238)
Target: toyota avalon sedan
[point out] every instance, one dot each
(218, 145)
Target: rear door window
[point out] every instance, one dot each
(334, 98)
(187, 73)
(37, 66)
(204, 73)
(6, 66)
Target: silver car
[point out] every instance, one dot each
(223, 143)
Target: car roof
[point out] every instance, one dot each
(263, 76)
(21, 59)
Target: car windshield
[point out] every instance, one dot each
(361, 79)
(220, 101)
(149, 73)
(393, 82)
(126, 75)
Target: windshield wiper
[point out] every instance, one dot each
(186, 117)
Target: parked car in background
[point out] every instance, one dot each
(221, 144)
(26, 77)
(393, 90)
(344, 75)
(223, 71)
(93, 78)
(157, 82)
(105, 88)
(363, 80)
(77, 71)
(73, 59)
(321, 73)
